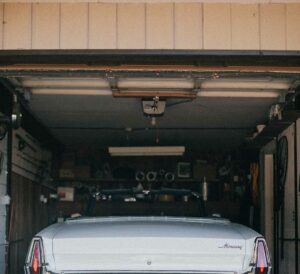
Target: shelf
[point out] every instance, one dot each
(96, 180)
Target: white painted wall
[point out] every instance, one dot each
(3, 213)
(178, 25)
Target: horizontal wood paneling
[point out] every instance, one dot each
(151, 26)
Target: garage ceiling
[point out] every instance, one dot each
(214, 113)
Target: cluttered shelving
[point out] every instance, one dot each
(89, 184)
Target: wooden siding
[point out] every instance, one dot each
(45, 26)
(25, 221)
(150, 26)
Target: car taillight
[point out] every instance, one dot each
(35, 260)
(262, 259)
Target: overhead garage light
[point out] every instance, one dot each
(80, 83)
(147, 151)
(246, 83)
(240, 94)
(62, 91)
(155, 83)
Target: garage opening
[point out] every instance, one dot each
(159, 141)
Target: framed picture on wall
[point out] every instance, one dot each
(184, 170)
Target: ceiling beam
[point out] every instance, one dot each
(156, 1)
(147, 94)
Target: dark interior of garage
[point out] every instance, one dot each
(121, 143)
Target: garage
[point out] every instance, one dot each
(154, 142)
(181, 130)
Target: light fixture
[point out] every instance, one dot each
(147, 151)
(71, 82)
(155, 83)
(62, 91)
(239, 94)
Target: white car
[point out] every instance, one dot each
(148, 245)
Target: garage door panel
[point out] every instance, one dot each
(94, 120)
(207, 112)
(116, 120)
(80, 103)
(215, 139)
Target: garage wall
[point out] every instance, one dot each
(267, 165)
(25, 221)
(29, 159)
(31, 164)
(3, 182)
(298, 193)
(287, 264)
(150, 26)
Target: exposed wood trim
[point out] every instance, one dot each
(153, 94)
(198, 58)
(157, 1)
(157, 72)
